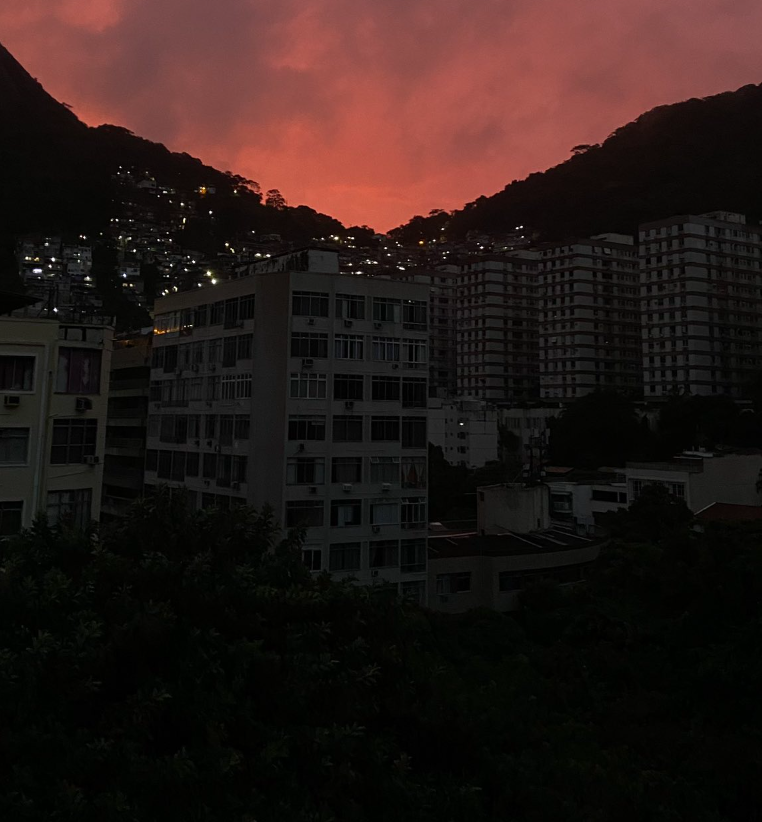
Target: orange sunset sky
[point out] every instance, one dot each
(375, 110)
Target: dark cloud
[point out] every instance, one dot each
(376, 109)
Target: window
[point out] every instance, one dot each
(209, 470)
(350, 307)
(246, 308)
(14, 446)
(216, 313)
(152, 459)
(236, 386)
(414, 314)
(344, 557)
(413, 512)
(70, 508)
(386, 349)
(199, 315)
(305, 471)
(348, 346)
(309, 304)
(384, 429)
(348, 387)
(229, 351)
(347, 429)
(383, 553)
(245, 344)
(304, 513)
(413, 472)
(73, 440)
(10, 517)
(214, 350)
(459, 583)
(16, 373)
(414, 393)
(308, 344)
(346, 513)
(414, 432)
(384, 512)
(231, 313)
(226, 429)
(385, 389)
(79, 371)
(385, 469)
(306, 428)
(412, 555)
(306, 386)
(386, 310)
(346, 469)
(241, 427)
(192, 460)
(414, 352)
(313, 558)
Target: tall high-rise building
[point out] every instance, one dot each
(53, 394)
(496, 328)
(701, 296)
(304, 389)
(589, 326)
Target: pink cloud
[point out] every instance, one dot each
(374, 110)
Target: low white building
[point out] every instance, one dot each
(465, 430)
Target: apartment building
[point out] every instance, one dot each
(465, 430)
(701, 304)
(443, 290)
(496, 327)
(304, 389)
(126, 425)
(53, 394)
(589, 328)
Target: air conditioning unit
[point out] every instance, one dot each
(212, 366)
(395, 365)
(300, 447)
(194, 367)
(11, 401)
(91, 459)
(313, 489)
(349, 405)
(374, 573)
(311, 321)
(376, 529)
(307, 363)
(348, 323)
(377, 326)
(235, 485)
(347, 487)
(178, 372)
(83, 404)
(386, 486)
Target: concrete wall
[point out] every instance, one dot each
(516, 508)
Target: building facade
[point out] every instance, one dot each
(303, 389)
(53, 396)
(701, 304)
(465, 430)
(589, 329)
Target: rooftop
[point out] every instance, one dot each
(727, 512)
(554, 539)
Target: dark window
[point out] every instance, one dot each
(344, 557)
(70, 508)
(14, 446)
(385, 429)
(311, 345)
(309, 304)
(413, 555)
(73, 440)
(241, 427)
(306, 428)
(385, 389)
(414, 432)
(414, 314)
(350, 307)
(346, 513)
(192, 459)
(347, 429)
(346, 469)
(304, 513)
(246, 309)
(152, 460)
(10, 517)
(313, 558)
(305, 471)
(231, 313)
(348, 387)
(210, 466)
(383, 553)
(217, 313)
(245, 346)
(458, 583)
(79, 371)
(199, 315)
(604, 496)
(413, 393)
(170, 358)
(229, 351)
(16, 373)
(386, 310)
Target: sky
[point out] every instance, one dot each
(375, 110)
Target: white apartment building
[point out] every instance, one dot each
(304, 389)
(53, 399)
(701, 304)
(497, 328)
(589, 331)
(465, 430)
